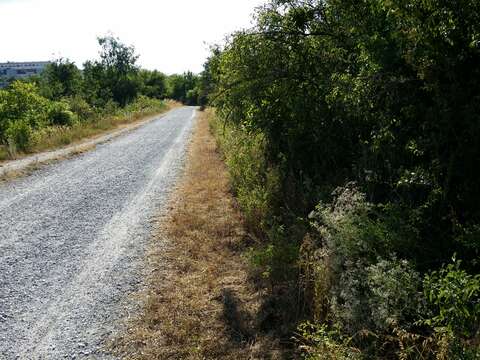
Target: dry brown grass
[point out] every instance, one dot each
(201, 303)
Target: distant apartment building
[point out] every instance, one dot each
(20, 70)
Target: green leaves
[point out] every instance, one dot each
(455, 297)
(385, 94)
(115, 76)
(22, 102)
(61, 79)
(184, 88)
(23, 110)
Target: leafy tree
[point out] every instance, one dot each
(60, 79)
(182, 88)
(206, 84)
(153, 83)
(114, 77)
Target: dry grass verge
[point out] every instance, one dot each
(7, 175)
(201, 303)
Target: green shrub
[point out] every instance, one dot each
(109, 108)
(394, 294)
(3, 119)
(79, 106)
(18, 135)
(60, 114)
(144, 104)
(277, 260)
(351, 228)
(183, 87)
(22, 110)
(153, 84)
(352, 277)
(257, 188)
(61, 78)
(317, 342)
(192, 97)
(254, 183)
(454, 299)
(358, 285)
(21, 101)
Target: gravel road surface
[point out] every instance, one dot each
(72, 239)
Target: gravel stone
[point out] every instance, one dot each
(73, 237)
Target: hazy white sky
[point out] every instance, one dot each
(170, 35)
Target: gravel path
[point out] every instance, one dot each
(73, 236)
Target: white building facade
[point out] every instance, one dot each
(20, 70)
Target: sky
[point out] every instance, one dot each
(171, 36)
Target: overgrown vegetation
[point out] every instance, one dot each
(65, 103)
(351, 131)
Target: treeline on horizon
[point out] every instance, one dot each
(65, 102)
(352, 134)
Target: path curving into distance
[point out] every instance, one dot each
(73, 237)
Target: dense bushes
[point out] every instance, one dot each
(65, 103)
(183, 88)
(61, 79)
(369, 121)
(153, 84)
(60, 114)
(31, 122)
(22, 110)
